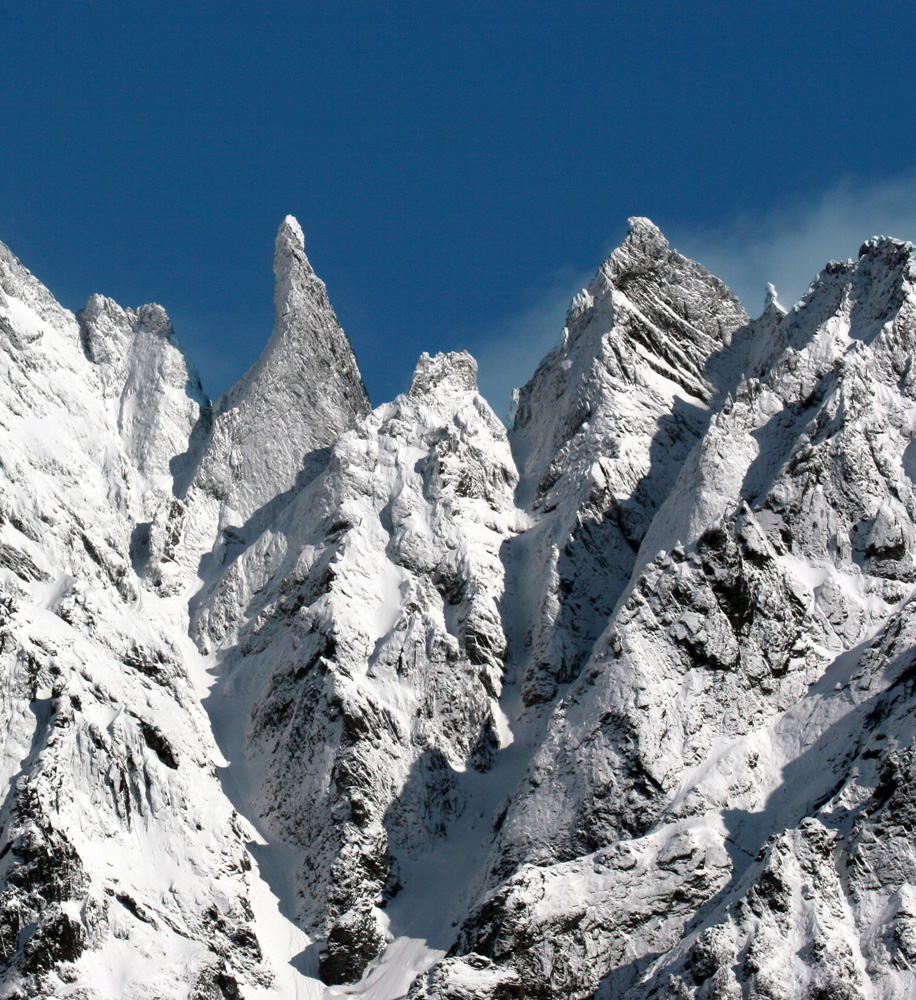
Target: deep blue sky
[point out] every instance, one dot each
(457, 167)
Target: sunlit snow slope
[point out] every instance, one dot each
(303, 699)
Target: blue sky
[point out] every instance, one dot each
(459, 169)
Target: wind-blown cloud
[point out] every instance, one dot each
(509, 351)
(790, 243)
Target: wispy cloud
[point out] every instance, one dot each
(790, 243)
(509, 351)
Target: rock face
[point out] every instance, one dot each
(113, 818)
(670, 760)
(271, 431)
(370, 661)
(604, 425)
(296, 399)
(300, 697)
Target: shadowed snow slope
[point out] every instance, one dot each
(303, 699)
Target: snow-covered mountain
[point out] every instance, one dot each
(303, 699)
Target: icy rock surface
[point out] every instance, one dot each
(299, 395)
(603, 428)
(472, 977)
(270, 432)
(372, 654)
(304, 700)
(124, 867)
(785, 542)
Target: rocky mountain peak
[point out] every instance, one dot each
(452, 372)
(293, 273)
(107, 328)
(155, 320)
(290, 234)
(154, 393)
(885, 246)
(297, 398)
(18, 283)
(605, 424)
(305, 325)
(644, 249)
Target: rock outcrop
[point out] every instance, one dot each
(300, 697)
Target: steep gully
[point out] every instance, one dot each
(439, 887)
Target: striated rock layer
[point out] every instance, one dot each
(301, 698)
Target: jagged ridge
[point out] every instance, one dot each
(293, 691)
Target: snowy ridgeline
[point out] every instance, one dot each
(303, 699)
